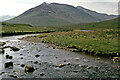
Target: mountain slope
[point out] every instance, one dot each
(53, 14)
(100, 16)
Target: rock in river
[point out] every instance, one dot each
(8, 64)
(42, 74)
(61, 65)
(37, 55)
(29, 69)
(8, 57)
(22, 65)
(116, 59)
(15, 48)
(1, 51)
(2, 43)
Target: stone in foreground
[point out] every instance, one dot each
(29, 69)
(8, 64)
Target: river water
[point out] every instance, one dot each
(76, 65)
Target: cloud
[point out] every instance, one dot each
(16, 7)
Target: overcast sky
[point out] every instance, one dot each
(16, 7)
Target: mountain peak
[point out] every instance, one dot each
(44, 3)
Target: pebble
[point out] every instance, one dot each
(42, 74)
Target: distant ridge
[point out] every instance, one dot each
(56, 14)
(5, 17)
(100, 16)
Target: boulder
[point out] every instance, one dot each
(42, 74)
(37, 55)
(13, 76)
(22, 65)
(61, 65)
(21, 58)
(8, 57)
(15, 48)
(116, 59)
(2, 43)
(36, 62)
(29, 69)
(2, 51)
(8, 64)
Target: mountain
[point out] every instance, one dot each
(100, 16)
(54, 14)
(5, 17)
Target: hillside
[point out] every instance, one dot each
(113, 23)
(53, 14)
(100, 16)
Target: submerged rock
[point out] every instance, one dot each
(42, 74)
(13, 76)
(21, 58)
(8, 64)
(2, 51)
(2, 43)
(116, 59)
(15, 48)
(22, 65)
(88, 67)
(37, 55)
(36, 62)
(8, 57)
(29, 69)
(61, 65)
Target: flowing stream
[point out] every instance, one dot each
(75, 65)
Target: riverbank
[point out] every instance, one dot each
(20, 29)
(101, 43)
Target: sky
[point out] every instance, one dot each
(17, 7)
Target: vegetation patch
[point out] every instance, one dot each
(99, 42)
(19, 29)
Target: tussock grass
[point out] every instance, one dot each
(99, 42)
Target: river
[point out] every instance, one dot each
(76, 65)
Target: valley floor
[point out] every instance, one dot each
(100, 42)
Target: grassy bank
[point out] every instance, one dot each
(19, 29)
(93, 42)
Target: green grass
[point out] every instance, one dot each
(103, 40)
(18, 29)
(95, 42)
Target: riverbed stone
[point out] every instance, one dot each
(8, 64)
(116, 59)
(36, 62)
(37, 55)
(21, 58)
(22, 65)
(2, 51)
(61, 65)
(29, 69)
(15, 48)
(42, 74)
(8, 57)
(2, 43)
(14, 76)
